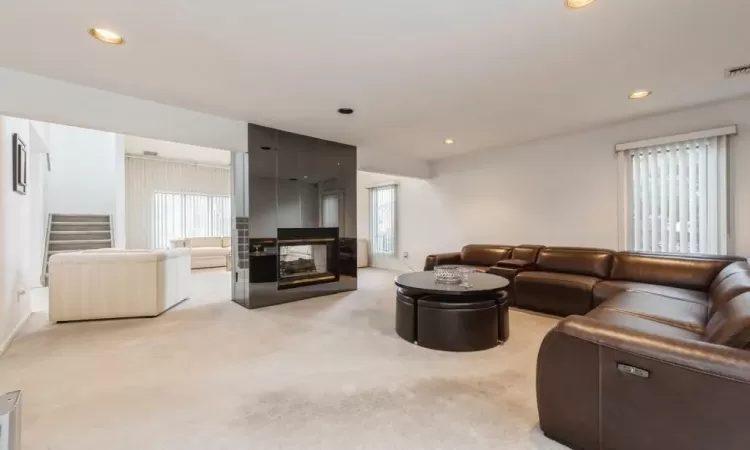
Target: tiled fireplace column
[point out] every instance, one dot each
(294, 214)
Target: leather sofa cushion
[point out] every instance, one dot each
(729, 270)
(688, 315)
(526, 252)
(484, 255)
(736, 283)
(515, 263)
(621, 319)
(730, 325)
(607, 289)
(682, 271)
(554, 293)
(590, 262)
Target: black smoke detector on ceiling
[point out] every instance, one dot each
(346, 111)
(293, 179)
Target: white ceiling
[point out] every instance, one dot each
(483, 72)
(172, 150)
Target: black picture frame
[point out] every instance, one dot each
(19, 165)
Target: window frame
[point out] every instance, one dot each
(212, 224)
(374, 249)
(625, 210)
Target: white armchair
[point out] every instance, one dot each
(112, 283)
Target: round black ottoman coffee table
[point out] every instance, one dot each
(450, 317)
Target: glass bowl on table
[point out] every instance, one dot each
(447, 274)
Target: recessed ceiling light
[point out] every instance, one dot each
(110, 37)
(449, 141)
(346, 111)
(635, 95)
(578, 3)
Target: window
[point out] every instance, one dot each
(383, 220)
(675, 193)
(331, 209)
(176, 215)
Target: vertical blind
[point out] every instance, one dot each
(383, 220)
(331, 210)
(678, 196)
(180, 215)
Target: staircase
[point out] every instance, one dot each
(75, 232)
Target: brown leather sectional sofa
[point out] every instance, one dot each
(653, 353)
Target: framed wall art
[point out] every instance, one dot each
(19, 165)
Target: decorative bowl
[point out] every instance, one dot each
(447, 274)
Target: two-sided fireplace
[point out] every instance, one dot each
(307, 256)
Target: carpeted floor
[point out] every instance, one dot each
(326, 373)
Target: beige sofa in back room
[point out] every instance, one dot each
(205, 252)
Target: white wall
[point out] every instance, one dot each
(392, 163)
(423, 224)
(88, 175)
(40, 98)
(46, 99)
(15, 234)
(563, 191)
(37, 193)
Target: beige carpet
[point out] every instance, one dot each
(316, 374)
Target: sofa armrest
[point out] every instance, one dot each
(699, 356)
(178, 243)
(600, 386)
(441, 258)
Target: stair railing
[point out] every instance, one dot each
(45, 257)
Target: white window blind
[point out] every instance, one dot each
(180, 215)
(676, 195)
(383, 220)
(331, 210)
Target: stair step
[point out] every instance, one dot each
(79, 226)
(80, 241)
(99, 218)
(79, 245)
(82, 235)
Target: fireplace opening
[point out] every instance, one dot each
(307, 260)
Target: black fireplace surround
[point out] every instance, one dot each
(294, 213)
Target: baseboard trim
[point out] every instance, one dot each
(14, 333)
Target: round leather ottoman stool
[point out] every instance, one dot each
(406, 316)
(457, 326)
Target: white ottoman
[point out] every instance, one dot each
(112, 283)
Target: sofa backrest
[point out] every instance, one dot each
(681, 271)
(732, 281)
(485, 255)
(593, 262)
(203, 242)
(526, 252)
(730, 324)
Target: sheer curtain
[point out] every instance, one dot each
(167, 200)
(178, 215)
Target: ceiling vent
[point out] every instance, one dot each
(149, 153)
(737, 71)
